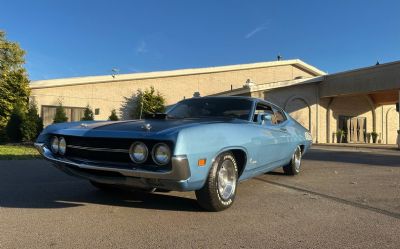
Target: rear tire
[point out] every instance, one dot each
(293, 168)
(219, 191)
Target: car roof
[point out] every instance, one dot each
(254, 100)
(226, 97)
(237, 97)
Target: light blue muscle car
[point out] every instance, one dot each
(205, 144)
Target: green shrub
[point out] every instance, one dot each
(32, 125)
(374, 136)
(3, 135)
(15, 124)
(88, 114)
(113, 116)
(60, 116)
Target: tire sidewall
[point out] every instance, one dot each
(296, 171)
(217, 166)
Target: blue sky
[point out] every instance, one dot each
(78, 38)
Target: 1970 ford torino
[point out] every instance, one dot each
(205, 144)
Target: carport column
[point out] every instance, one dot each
(398, 131)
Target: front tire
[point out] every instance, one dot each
(219, 191)
(293, 168)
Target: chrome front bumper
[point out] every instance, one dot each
(180, 167)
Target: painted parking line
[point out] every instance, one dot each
(336, 199)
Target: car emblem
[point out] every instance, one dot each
(83, 125)
(147, 127)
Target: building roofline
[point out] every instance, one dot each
(171, 73)
(373, 67)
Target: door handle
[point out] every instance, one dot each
(283, 129)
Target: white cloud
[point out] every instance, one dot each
(142, 48)
(256, 30)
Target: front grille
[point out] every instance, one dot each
(113, 150)
(96, 142)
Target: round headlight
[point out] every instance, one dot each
(62, 146)
(138, 152)
(54, 145)
(161, 154)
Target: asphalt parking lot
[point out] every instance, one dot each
(342, 199)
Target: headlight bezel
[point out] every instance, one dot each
(131, 152)
(54, 146)
(60, 139)
(154, 156)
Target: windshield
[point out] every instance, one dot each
(210, 107)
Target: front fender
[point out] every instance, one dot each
(207, 142)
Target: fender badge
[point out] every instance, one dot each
(252, 161)
(147, 127)
(83, 125)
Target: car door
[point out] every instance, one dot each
(284, 142)
(266, 139)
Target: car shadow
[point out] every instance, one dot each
(276, 173)
(36, 197)
(36, 184)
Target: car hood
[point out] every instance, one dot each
(136, 128)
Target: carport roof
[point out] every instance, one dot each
(367, 80)
(380, 82)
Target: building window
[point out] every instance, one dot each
(73, 114)
(97, 111)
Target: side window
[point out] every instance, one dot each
(279, 115)
(263, 108)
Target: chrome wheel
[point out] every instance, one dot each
(293, 167)
(226, 180)
(297, 159)
(219, 191)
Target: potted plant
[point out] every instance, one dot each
(339, 135)
(368, 136)
(374, 136)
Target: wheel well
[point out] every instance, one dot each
(302, 148)
(241, 159)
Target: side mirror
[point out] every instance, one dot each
(264, 118)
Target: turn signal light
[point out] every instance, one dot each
(201, 162)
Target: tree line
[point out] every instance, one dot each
(19, 118)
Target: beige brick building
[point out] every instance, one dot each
(358, 101)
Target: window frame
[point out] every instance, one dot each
(274, 109)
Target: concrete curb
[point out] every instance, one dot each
(357, 146)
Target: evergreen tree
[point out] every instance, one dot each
(87, 114)
(113, 116)
(14, 125)
(14, 81)
(33, 124)
(60, 115)
(148, 102)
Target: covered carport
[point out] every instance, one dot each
(363, 97)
